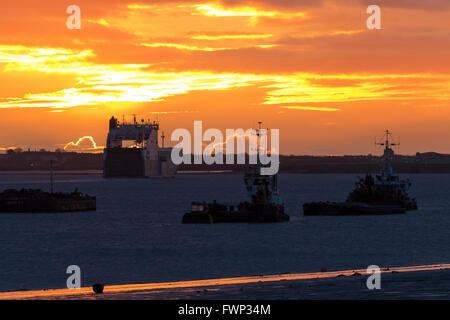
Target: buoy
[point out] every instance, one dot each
(98, 288)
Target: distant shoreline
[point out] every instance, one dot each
(430, 162)
(199, 172)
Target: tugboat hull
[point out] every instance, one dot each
(258, 215)
(349, 209)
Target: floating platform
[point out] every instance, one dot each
(349, 209)
(38, 201)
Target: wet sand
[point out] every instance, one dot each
(416, 282)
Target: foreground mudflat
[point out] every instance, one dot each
(419, 282)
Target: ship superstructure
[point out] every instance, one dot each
(263, 186)
(387, 177)
(132, 150)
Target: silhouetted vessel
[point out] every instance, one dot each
(265, 205)
(38, 201)
(384, 194)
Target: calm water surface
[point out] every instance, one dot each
(136, 235)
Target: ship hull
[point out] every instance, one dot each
(349, 209)
(132, 163)
(123, 162)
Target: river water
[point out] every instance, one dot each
(136, 235)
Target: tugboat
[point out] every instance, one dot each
(38, 201)
(384, 194)
(265, 204)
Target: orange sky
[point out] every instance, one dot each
(308, 67)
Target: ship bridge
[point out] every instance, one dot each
(138, 132)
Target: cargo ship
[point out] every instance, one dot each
(133, 151)
(383, 194)
(265, 205)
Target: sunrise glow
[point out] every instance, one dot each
(305, 67)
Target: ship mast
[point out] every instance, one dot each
(258, 134)
(386, 169)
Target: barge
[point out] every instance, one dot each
(38, 201)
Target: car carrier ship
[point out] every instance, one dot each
(144, 158)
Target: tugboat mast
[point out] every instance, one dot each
(387, 144)
(386, 168)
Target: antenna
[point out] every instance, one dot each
(387, 139)
(375, 145)
(386, 143)
(259, 134)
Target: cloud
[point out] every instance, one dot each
(218, 10)
(83, 144)
(432, 5)
(282, 4)
(99, 84)
(306, 108)
(230, 36)
(180, 46)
